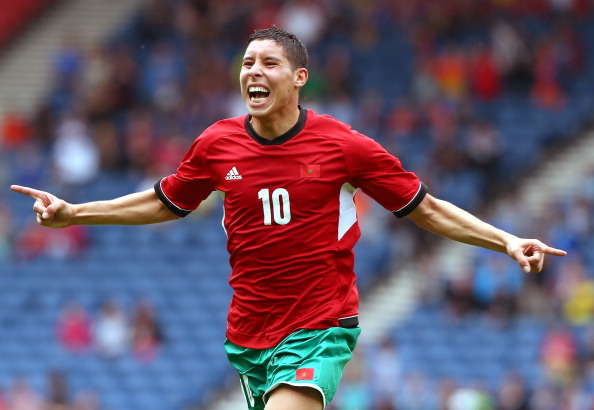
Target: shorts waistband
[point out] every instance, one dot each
(349, 322)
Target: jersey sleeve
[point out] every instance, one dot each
(381, 176)
(183, 191)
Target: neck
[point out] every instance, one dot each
(270, 128)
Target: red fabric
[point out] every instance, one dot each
(74, 329)
(309, 171)
(15, 14)
(14, 130)
(306, 373)
(290, 232)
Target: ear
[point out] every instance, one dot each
(301, 76)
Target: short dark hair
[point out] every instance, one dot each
(294, 49)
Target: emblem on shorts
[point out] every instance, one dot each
(305, 373)
(233, 174)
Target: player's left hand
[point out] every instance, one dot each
(530, 253)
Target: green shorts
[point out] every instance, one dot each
(312, 358)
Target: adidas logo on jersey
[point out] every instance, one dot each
(233, 174)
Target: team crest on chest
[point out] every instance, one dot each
(309, 171)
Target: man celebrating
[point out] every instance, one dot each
(288, 177)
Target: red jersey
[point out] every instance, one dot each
(290, 217)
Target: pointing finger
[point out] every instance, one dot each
(33, 193)
(553, 251)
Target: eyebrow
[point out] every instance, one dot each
(265, 58)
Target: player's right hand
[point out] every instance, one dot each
(51, 211)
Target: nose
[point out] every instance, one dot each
(255, 70)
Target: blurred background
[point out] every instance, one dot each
(490, 102)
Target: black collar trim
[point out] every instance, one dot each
(281, 138)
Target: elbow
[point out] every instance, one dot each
(426, 211)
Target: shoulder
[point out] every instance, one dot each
(228, 126)
(326, 124)
(219, 131)
(339, 132)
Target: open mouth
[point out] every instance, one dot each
(258, 94)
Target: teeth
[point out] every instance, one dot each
(257, 100)
(258, 90)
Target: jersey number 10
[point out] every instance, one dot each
(276, 205)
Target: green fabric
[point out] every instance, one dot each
(313, 358)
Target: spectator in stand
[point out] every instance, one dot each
(545, 397)
(147, 335)
(559, 354)
(403, 120)
(484, 149)
(305, 18)
(74, 328)
(67, 62)
(139, 136)
(75, 156)
(450, 70)
(424, 87)
(496, 287)
(96, 90)
(33, 242)
(569, 45)
(511, 52)
(459, 297)
(512, 393)
(30, 243)
(21, 396)
(125, 81)
(469, 398)
(106, 137)
(15, 130)
(153, 23)
(112, 330)
(485, 78)
(547, 91)
(58, 396)
(87, 400)
(586, 360)
(576, 290)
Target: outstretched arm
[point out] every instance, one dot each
(446, 219)
(135, 209)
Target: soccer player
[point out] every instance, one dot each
(288, 176)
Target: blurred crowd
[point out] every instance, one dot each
(423, 77)
(20, 395)
(109, 333)
(112, 332)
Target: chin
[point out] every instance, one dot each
(257, 112)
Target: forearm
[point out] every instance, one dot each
(446, 219)
(135, 209)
